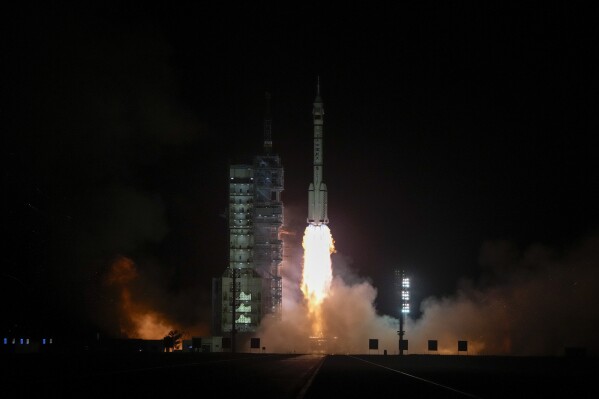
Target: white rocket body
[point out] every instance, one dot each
(317, 192)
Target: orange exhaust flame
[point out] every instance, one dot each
(317, 275)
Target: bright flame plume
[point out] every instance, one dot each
(317, 274)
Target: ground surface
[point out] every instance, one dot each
(297, 376)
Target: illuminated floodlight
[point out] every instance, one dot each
(402, 284)
(405, 295)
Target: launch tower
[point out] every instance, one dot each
(250, 289)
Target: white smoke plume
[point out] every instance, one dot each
(533, 302)
(536, 301)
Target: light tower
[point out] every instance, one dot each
(402, 283)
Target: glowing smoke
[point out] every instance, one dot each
(342, 316)
(531, 302)
(136, 319)
(142, 310)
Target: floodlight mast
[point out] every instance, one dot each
(403, 290)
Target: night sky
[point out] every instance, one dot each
(454, 134)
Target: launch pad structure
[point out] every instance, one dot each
(250, 289)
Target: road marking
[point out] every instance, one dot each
(304, 389)
(419, 378)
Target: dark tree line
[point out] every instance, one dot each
(172, 340)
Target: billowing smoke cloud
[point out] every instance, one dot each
(293, 254)
(131, 295)
(532, 302)
(136, 319)
(350, 321)
(536, 301)
(138, 306)
(348, 312)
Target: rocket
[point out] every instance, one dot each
(317, 192)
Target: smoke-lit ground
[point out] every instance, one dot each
(537, 301)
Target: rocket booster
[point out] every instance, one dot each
(317, 192)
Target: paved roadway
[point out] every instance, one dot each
(436, 376)
(290, 376)
(168, 375)
(367, 377)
